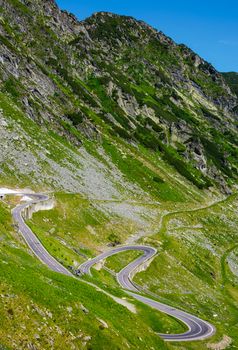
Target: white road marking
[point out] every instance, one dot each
(202, 329)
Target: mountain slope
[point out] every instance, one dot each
(56, 312)
(135, 138)
(232, 80)
(114, 76)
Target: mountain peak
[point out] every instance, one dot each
(119, 76)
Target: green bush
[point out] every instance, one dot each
(75, 117)
(12, 86)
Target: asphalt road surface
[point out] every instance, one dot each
(32, 241)
(197, 328)
(123, 276)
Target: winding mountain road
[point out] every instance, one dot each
(197, 328)
(124, 276)
(32, 241)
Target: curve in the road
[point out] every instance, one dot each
(32, 241)
(197, 328)
(124, 276)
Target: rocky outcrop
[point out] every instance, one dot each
(114, 74)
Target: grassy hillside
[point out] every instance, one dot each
(135, 138)
(82, 81)
(196, 254)
(58, 312)
(193, 268)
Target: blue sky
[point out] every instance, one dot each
(209, 27)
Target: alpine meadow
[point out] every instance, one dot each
(118, 186)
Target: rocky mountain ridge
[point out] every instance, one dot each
(116, 76)
(232, 80)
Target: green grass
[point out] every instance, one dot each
(191, 271)
(53, 294)
(20, 7)
(232, 80)
(43, 306)
(163, 263)
(138, 173)
(49, 312)
(81, 224)
(119, 261)
(185, 274)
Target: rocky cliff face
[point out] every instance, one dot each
(112, 75)
(232, 80)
